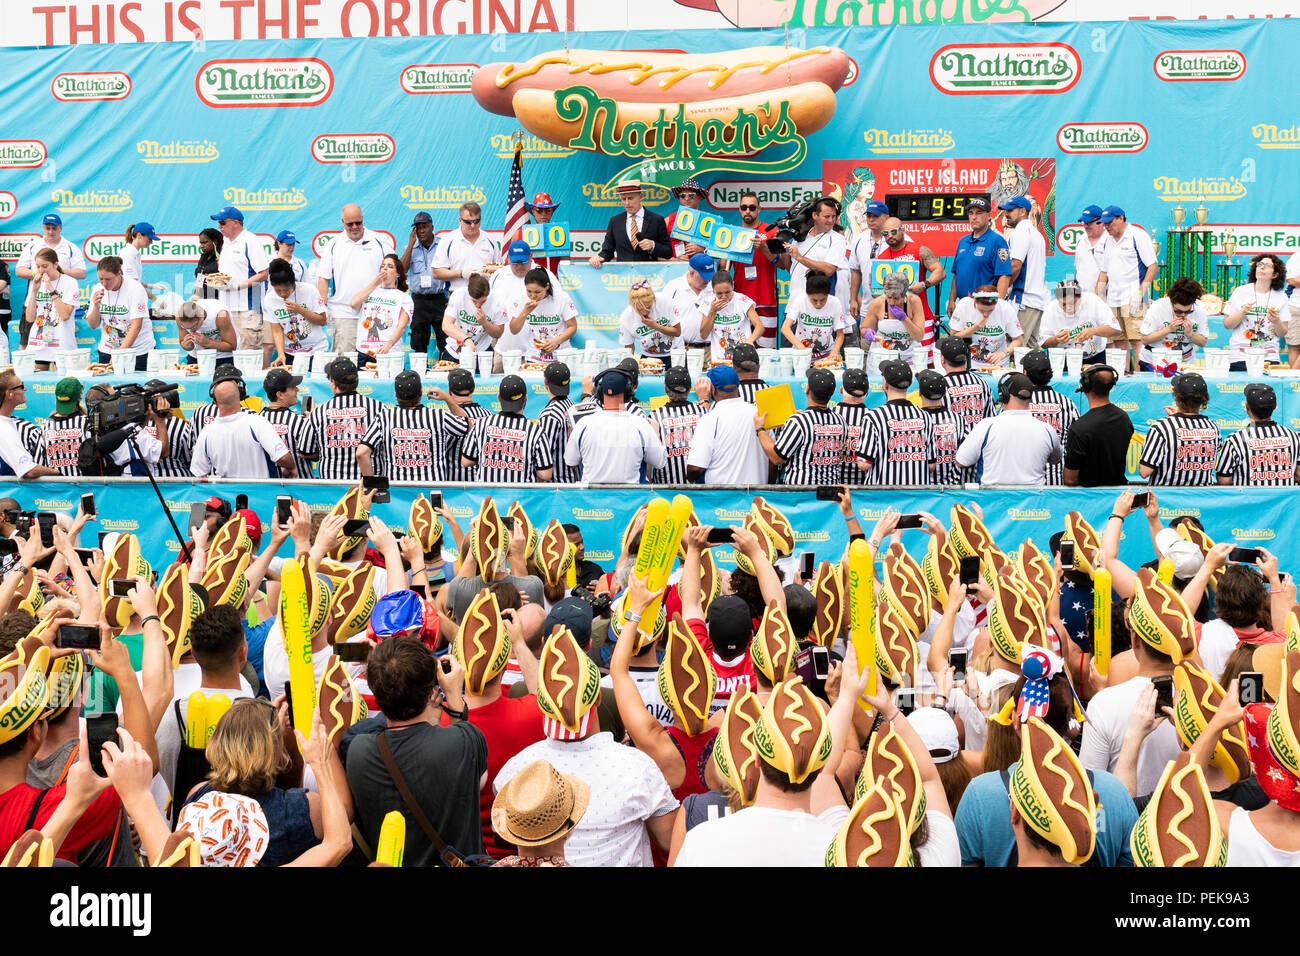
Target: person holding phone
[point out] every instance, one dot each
(1245, 595)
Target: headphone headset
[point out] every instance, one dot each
(237, 378)
(1004, 388)
(832, 200)
(1086, 376)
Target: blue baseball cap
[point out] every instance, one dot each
(1112, 212)
(227, 212)
(51, 219)
(519, 251)
(1090, 214)
(287, 237)
(145, 229)
(1017, 202)
(704, 264)
(613, 383)
(877, 208)
(724, 378)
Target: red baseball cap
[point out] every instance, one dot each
(543, 201)
(219, 505)
(251, 522)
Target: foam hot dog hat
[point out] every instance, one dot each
(63, 683)
(488, 540)
(764, 544)
(896, 652)
(1179, 826)
(1198, 701)
(1051, 792)
(424, 525)
(889, 762)
(875, 834)
(1087, 546)
(554, 553)
(1015, 618)
(905, 590)
(967, 535)
(1032, 567)
(773, 649)
(180, 850)
(938, 568)
(1189, 532)
(351, 505)
(828, 589)
(1159, 617)
(775, 525)
(122, 561)
(793, 735)
(734, 753)
(351, 603)
(338, 700)
(231, 536)
(686, 678)
(177, 608)
(531, 535)
(710, 579)
(568, 684)
(224, 577)
(31, 599)
(24, 669)
(1284, 722)
(481, 643)
(32, 849)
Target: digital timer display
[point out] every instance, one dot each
(923, 207)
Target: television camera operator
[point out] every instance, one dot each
(117, 441)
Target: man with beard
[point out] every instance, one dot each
(930, 276)
(757, 279)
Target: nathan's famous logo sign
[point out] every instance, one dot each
(415, 196)
(534, 147)
(438, 77)
(266, 199)
(673, 114)
(1102, 137)
(753, 14)
(92, 200)
(1268, 136)
(887, 141)
(1202, 188)
(775, 194)
(249, 83)
(21, 153)
(89, 87)
(177, 151)
(605, 194)
(353, 148)
(168, 247)
(13, 243)
(1011, 68)
(1193, 66)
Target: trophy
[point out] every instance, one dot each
(1201, 212)
(1179, 215)
(1229, 244)
(1156, 247)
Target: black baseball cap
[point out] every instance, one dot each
(631, 371)
(677, 380)
(896, 374)
(226, 373)
(979, 202)
(821, 383)
(342, 370)
(1037, 366)
(460, 381)
(931, 384)
(513, 393)
(745, 355)
(731, 627)
(573, 613)
(557, 373)
(406, 385)
(277, 380)
(1190, 386)
(1260, 398)
(1018, 385)
(955, 350)
(855, 382)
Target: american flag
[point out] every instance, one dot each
(516, 214)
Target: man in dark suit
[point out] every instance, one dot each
(648, 231)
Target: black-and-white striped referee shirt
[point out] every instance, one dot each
(812, 442)
(553, 419)
(180, 448)
(1262, 453)
(855, 418)
(202, 415)
(507, 448)
(748, 388)
(1182, 450)
(340, 425)
(677, 421)
(29, 435)
(454, 444)
(969, 395)
(61, 438)
(1058, 412)
(898, 441)
(295, 430)
(409, 443)
(947, 432)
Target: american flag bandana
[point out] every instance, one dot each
(1038, 667)
(557, 731)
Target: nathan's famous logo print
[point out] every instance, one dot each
(1202, 188)
(353, 148)
(622, 281)
(13, 243)
(441, 197)
(438, 77)
(605, 194)
(92, 200)
(270, 199)
(753, 14)
(21, 153)
(1012, 68)
(534, 147)
(322, 239)
(674, 114)
(168, 247)
(8, 204)
(885, 141)
(1069, 237)
(1268, 136)
(90, 87)
(256, 83)
(1101, 137)
(1192, 66)
(775, 194)
(177, 151)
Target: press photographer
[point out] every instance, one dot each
(812, 244)
(117, 440)
(15, 458)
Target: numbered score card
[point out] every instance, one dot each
(719, 239)
(546, 239)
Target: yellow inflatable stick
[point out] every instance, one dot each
(196, 720)
(862, 606)
(218, 704)
(651, 532)
(1101, 621)
(1165, 571)
(679, 512)
(294, 627)
(392, 839)
(571, 571)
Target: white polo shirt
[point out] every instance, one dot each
(726, 446)
(237, 446)
(352, 266)
(1016, 448)
(13, 454)
(457, 252)
(1121, 268)
(1028, 245)
(240, 258)
(611, 447)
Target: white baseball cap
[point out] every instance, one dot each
(937, 729)
(1186, 556)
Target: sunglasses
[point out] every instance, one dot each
(891, 232)
(744, 206)
(1178, 311)
(472, 222)
(358, 222)
(18, 388)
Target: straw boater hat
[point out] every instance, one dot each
(896, 652)
(32, 849)
(180, 850)
(488, 540)
(481, 644)
(539, 805)
(905, 590)
(752, 524)
(938, 568)
(351, 603)
(1179, 825)
(351, 505)
(1159, 617)
(554, 553)
(793, 735)
(1032, 567)
(890, 762)
(27, 665)
(775, 525)
(516, 511)
(1284, 722)
(828, 589)
(686, 679)
(734, 753)
(1051, 792)
(967, 536)
(568, 686)
(710, 579)
(773, 649)
(341, 705)
(1198, 701)
(424, 525)
(1087, 546)
(875, 834)
(1014, 618)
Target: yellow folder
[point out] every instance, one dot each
(777, 402)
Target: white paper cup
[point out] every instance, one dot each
(1018, 355)
(485, 361)
(166, 358)
(419, 362)
(511, 359)
(301, 363)
(63, 362)
(769, 366)
(468, 359)
(920, 359)
(677, 356)
(207, 359)
(853, 357)
(1073, 361)
(787, 363)
(123, 361)
(801, 360)
(1255, 359)
(1118, 360)
(25, 362)
(1057, 358)
(319, 361)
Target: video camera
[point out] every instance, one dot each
(599, 602)
(129, 405)
(794, 225)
